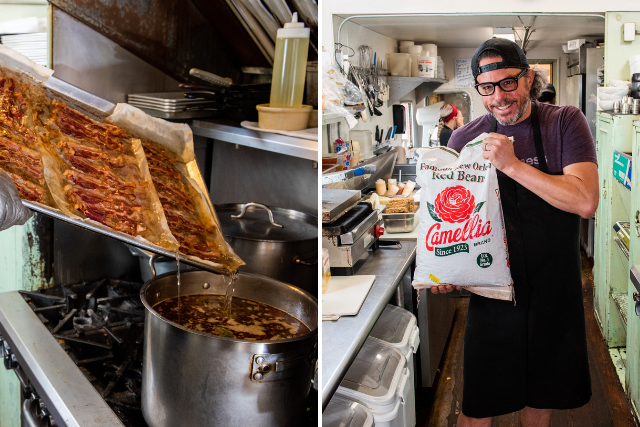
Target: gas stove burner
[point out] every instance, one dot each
(101, 327)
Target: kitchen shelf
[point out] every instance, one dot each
(330, 118)
(399, 87)
(295, 147)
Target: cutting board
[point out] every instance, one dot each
(345, 296)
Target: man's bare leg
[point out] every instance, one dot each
(532, 417)
(464, 421)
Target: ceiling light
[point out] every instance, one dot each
(504, 33)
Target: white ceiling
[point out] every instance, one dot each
(469, 31)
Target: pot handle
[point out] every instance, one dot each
(247, 205)
(152, 267)
(298, 260)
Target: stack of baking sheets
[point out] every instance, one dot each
(32, 45)
(173, 105)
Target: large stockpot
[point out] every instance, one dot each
(279, 243)
(196, 379)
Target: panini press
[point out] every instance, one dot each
(350, 227)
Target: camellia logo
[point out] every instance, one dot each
(455, 205)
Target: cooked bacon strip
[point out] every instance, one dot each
(78, 126)
(36, 172)
(85, 166)
(13, 109)
(103, 194)
(110, 207)
(179, 221)
(76, 149)
(159, 169)
(20, 149)
(26, 189)
(172, 193)
(90, 182)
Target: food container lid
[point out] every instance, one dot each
(374, 375)
(341, 412)
(394, 325)
(256, 225)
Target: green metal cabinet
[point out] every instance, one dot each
(611, 264)
(632, 372)
(602, 230)
(613, 298)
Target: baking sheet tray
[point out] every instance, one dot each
(171, 98)
(181, 115)
(195, 107)
(95, 227)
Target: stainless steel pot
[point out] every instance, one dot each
(197, 379)
(279, 243)
(152, 265)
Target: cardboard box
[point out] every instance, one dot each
(575, 44)
(622, 168)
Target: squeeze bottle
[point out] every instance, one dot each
(290, 65)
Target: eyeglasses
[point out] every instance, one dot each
(508, 85)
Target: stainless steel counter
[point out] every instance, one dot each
(342, 339)
(296, 147)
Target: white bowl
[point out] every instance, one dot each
(606, 105)
(619, 83)
(614, 90)
(608, 97)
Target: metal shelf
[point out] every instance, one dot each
(399, 87)
(295, 147)
(330, 118)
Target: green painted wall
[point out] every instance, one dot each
(22, 266)
(618, 52)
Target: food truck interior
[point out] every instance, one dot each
(581, 48)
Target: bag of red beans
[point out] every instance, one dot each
(461, 237)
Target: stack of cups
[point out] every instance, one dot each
(403, 46)
(429, 49)
(635, 107)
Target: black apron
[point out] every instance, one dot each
(534, 352)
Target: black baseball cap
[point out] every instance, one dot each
(512, 56)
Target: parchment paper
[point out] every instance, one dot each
(178, 139)
(157, 230)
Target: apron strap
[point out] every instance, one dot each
(537, 136)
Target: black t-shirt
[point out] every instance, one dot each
(445, 134)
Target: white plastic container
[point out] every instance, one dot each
(400, 64)
(427, 67)
(440, 68)
(379, 379)
(398, 328)
(414, 50)
(341, 412)
(431, 48)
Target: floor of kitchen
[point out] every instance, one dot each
(439, 406)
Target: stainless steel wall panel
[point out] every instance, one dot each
(90, 61)
(242, 174)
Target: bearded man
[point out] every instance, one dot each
(530, 354)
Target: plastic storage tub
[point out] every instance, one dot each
(341, 412)
(379, 379)
(398, 327)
